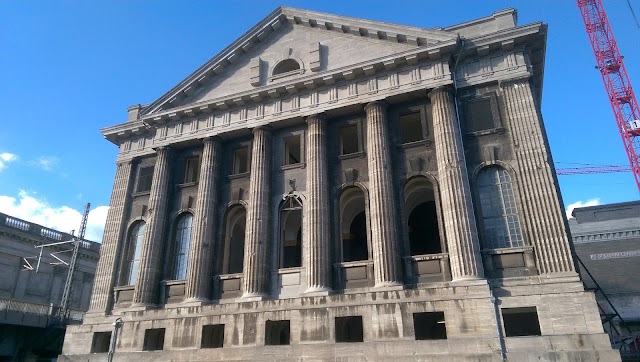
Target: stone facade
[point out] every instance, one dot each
(30, 293)
(296, 199)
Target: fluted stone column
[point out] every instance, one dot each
(538, 191)
(149, 272)
(112, 240)
(257, 230)
(198, 287)
(459, 221)
(382, 210)
(317, 248)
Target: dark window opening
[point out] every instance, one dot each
(429, 325)
(521, 322)
(291, 233)
(145, 177)
(349, 329)
(349, 140)
(236, 222)
(153, 339)
(212, 336)
(292, 150)
(277, 333)
(286, 66)
(101, 342)
(424, 237)
(411, 127)
(192, 170)
(354, 244)
(480, 114)
(241, 160)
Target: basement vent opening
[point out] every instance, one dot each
(277, 333)
(429, 325)
(212, 336)
(349, 329)
(101, 342)
(520, 322)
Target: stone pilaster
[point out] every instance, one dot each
(257, 230)
(317, 249)
(198, 287)
(538, 192)
(382, 210)
(112, 240)
(149, 272)
(459, 220)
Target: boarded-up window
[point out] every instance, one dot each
(411, 127)
(480, 115)
(145, 176)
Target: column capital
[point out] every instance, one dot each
(378, 104)
(319, 117)
(263, 128)
(438, 90)
(167, 150)
(211, 139)
(513, 81)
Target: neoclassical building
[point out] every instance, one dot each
(332, 188)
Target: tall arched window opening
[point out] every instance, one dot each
(291, 232)
(355, 245)
(132, 255)
(422, 220)
(182, 241)
(234, 240)
(498, 209)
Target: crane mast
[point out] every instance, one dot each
(616, 81)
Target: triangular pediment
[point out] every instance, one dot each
(295, 45)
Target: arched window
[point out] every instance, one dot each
(498, 209)
(182, 241)
(285, 66)
(355, 244)
(132, 255)
(422, 220)
(291, 233)
(233, 250)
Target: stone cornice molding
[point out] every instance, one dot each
(606, 236)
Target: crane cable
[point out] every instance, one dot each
(633, 14)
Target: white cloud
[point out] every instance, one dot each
(592, 202)
(6, 158)
(62, 218)
(46, 163)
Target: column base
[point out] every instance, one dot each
(253, 297)
(317, 292)
(469, 280)
(195, 302)
(387, 286)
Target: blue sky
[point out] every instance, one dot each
(69, 68)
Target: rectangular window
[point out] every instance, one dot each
(153, 339)
(480, 115)
(240, 160)
(277, 333)
(292, 150)
(521, 322)
(192, 170)
(429, 325)
(349, 140)
(145, 176)
(349, 329)
(212, 336)
(411, 127)
(101, 342)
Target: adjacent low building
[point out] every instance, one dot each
(332, 188)
(30, 292)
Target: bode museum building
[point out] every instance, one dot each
(333, 188)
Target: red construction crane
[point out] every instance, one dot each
(616, 81)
